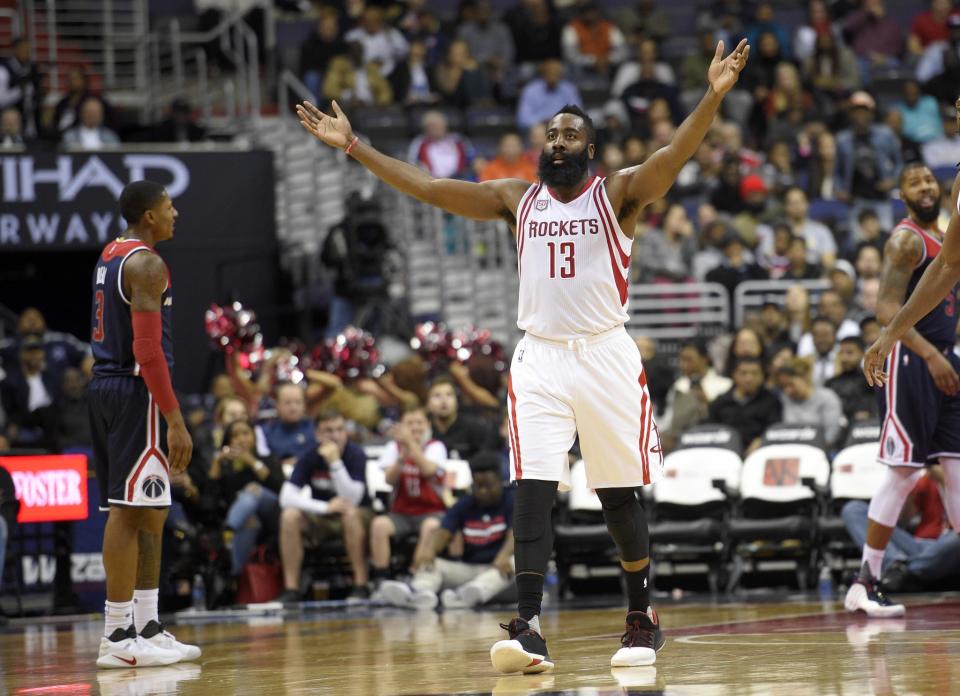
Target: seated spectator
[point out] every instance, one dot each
(875, 37)
(248, 487)
(690, 396)
(631, 71)
(843, 281)
(60, 350)
(773, 327)
(537, 34)
(382, 45)
(694, 65)
(867, 296)
(868, 159)
(818, 24)
(773, 250)
(644, 18)
(180, 126)
(66, 114)
(832, 73)
(943, 151)
(337, 507)
(858, 398)
(11, 128)
(21, 86)
(834, 308)
(749, 221)
(930, 27)
(640, 97)
(868, 262)
(799, 265)
(939, 66)
(462, 435)
(747, 343)
(290, 435)
(913, 561)
(351, 81)
(820, 345)
(28, 389)
(592, 42)
(805, 404)
(920, 115)
(489, 39)
(413, 464)
(484, 519)
(822, 180)
(760, 78)
(736, 267)
(765, 23)
(319, 49)
(749, 407)
(509, 162)
(208, 437)
(544, 96)
(70, 427)
(712, 238)
(665, 253)
(870, 329)
(90, 133)
(821, 246)
(412, 80)
(779, 171)
(438, 151)
(797, 306)
(459, 79)
(868, 229)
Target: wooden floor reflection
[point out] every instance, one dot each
(788, 648)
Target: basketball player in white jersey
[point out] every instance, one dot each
(576, 370)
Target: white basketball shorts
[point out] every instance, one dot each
(593, 386)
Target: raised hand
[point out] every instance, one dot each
(334, 131)
(724, 72)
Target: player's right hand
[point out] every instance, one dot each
(944, 376)
(873, 361)
(179, 447)
(334, 131)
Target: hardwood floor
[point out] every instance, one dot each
(770, 648)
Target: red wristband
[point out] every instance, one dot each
(148, 352)
(352, 144)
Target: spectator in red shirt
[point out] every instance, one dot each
(440, 152)
(875, 37)
(593, 43)
(413, 464)
(930, 26)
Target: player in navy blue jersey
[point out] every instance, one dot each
(134, 448)
(919, 403)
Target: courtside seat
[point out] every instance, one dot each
(782, 488)
(692, 502)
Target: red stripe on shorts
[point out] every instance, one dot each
(517, 463)
(644, 430)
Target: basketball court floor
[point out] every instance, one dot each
(794, 648)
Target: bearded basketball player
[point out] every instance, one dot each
(576, 370)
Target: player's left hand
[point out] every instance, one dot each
(944, 376)
(724, 72)
(873, 361)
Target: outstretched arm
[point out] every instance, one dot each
(489, 200)
(937, 281)
(650, 181)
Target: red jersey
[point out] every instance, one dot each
(415, 494)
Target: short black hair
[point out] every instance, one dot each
(869, 319)
(440, 380)
(327, 415)
(486, 462)
(855, 340)
(798, 238)
(137, 198)
(909, 167)
(751, 360)
(587, 121)
(867, 213)
(821, 319)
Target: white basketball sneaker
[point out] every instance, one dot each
(155, 634)
(641, 640)
(125, 649)
(865, 595)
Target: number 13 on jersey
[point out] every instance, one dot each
(563, 255)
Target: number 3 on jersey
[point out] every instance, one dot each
(98, 329)
(568, 267)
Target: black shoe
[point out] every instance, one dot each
(290, 597)
(359, 592)
(525, 651)
(641, 640)
(899, 579)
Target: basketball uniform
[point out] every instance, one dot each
(129, 433)
(576, 370)
(920, 422)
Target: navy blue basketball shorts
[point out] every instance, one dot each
(129, 444)
(920, 422)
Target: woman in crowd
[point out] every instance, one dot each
(804, 404)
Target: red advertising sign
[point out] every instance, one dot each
(50, 488)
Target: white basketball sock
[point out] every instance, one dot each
(117, 615)
(145, 607)
(874, 560)
(534, 624)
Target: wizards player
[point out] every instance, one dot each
(919, 404)
(134, 449)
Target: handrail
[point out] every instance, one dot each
(289, 79)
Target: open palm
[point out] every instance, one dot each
(724, 72)
(334, 131)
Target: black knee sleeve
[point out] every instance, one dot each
(533, 524)
(626, 522)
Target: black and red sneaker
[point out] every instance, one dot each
(640, 641)
(525, 651)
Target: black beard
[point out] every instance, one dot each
(569, 172)
(926, 215)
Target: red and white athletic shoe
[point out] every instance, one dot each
(525, 651)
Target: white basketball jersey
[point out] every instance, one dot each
(574, 263)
